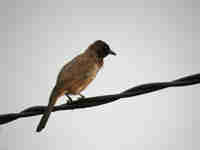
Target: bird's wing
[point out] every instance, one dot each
(77, 69)
(68, 69)
(77, 74)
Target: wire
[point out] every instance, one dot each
(100, 100)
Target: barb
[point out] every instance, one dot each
(100, 100)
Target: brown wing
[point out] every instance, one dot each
(77, 74)
(67, 70)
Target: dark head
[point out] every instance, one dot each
(102, 49)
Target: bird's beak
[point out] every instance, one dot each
(112, 53)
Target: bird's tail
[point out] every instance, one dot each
(53, 98)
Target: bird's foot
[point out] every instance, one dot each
(69, 99)
(81, 96)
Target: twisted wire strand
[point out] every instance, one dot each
(100, 100)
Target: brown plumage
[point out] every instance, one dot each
(76, 75)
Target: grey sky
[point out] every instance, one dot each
(155, 41)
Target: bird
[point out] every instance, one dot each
(76, 75)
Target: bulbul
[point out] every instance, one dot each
(76, 75)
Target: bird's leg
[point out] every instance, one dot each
(81, 96)
(69, 100)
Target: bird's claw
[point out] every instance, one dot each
(81, 96)
(69, 100)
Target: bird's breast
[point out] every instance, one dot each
(86, 79)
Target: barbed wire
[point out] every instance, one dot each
(100, 100)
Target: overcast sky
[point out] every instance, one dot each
(155, 41)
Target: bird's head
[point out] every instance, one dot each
(101, 49)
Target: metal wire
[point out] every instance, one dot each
(100, 100)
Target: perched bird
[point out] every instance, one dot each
(76, 75)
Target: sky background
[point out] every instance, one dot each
(155, 41)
